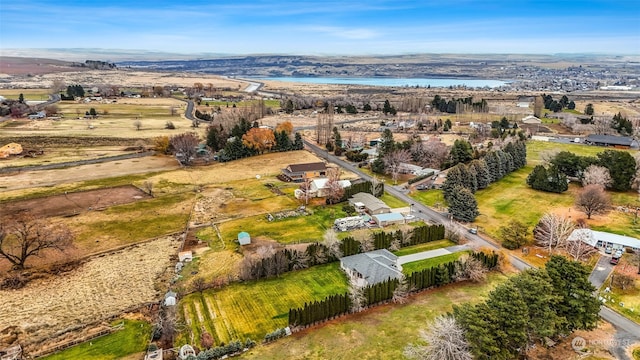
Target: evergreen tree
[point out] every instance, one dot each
(510, 313)
(387, 145)
(482, 175)
(622, 168)
(462, 204)
(534, 286)
(461, 152)
(298, 144)
(577, 305)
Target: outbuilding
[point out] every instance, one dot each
(244, 238)
(388, 219)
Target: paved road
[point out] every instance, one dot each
(419, 209)
(627, 331)
(432, 253)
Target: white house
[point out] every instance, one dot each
(372, 267)
(185, 256)
(601, 239)
(318, 187)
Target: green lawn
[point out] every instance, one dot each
(392, 201)
(380, 333)
(429, 197)
(424, 247)
(133, 338)
(305, 228)
(255, 308)
(511, 198)
(420, 265)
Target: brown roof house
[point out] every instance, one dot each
(300, 172)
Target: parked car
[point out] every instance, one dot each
(617, 254)
(473, 231)
(409, 217)
(614, 261)
(422, 187)
(608, 250)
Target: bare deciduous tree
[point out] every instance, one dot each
(454, 234)
(547, 156)
(445, 340)
(472, 269)
(432, 153)
(185, 146)
(621, 281)
(401, 292)
(137, 124)
(332, 243)
(356, 295)
(552, 231)
(376, 185)
(393, 162)
(596, 175)
(27, 236)
(365, 238)
(579, 249)
(335, 191)
(593, 200)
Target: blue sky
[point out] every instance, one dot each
(329, 27)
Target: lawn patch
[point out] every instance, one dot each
(420, 265)
(255, 308)
(131, 339)
(424, 247)
(378, 333)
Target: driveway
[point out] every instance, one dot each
(432, 253)
(601, 272)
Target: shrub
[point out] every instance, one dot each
(169, 125)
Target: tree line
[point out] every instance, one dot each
(554, 176)
(276, 262)
(337, 305)
(463, 180)
(248, 139)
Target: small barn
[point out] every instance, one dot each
(244, 238)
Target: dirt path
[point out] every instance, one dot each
(104, 286)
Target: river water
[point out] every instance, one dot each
(398, 82)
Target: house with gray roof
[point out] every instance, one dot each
(369, 204)
(601, 239)
(372, 267)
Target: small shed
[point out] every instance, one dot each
(185, 256)
(244, 238)
(170, 298)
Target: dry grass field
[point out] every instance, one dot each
(56, 177)
(100, 288)
(123, 78)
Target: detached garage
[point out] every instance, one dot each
(388, 219)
